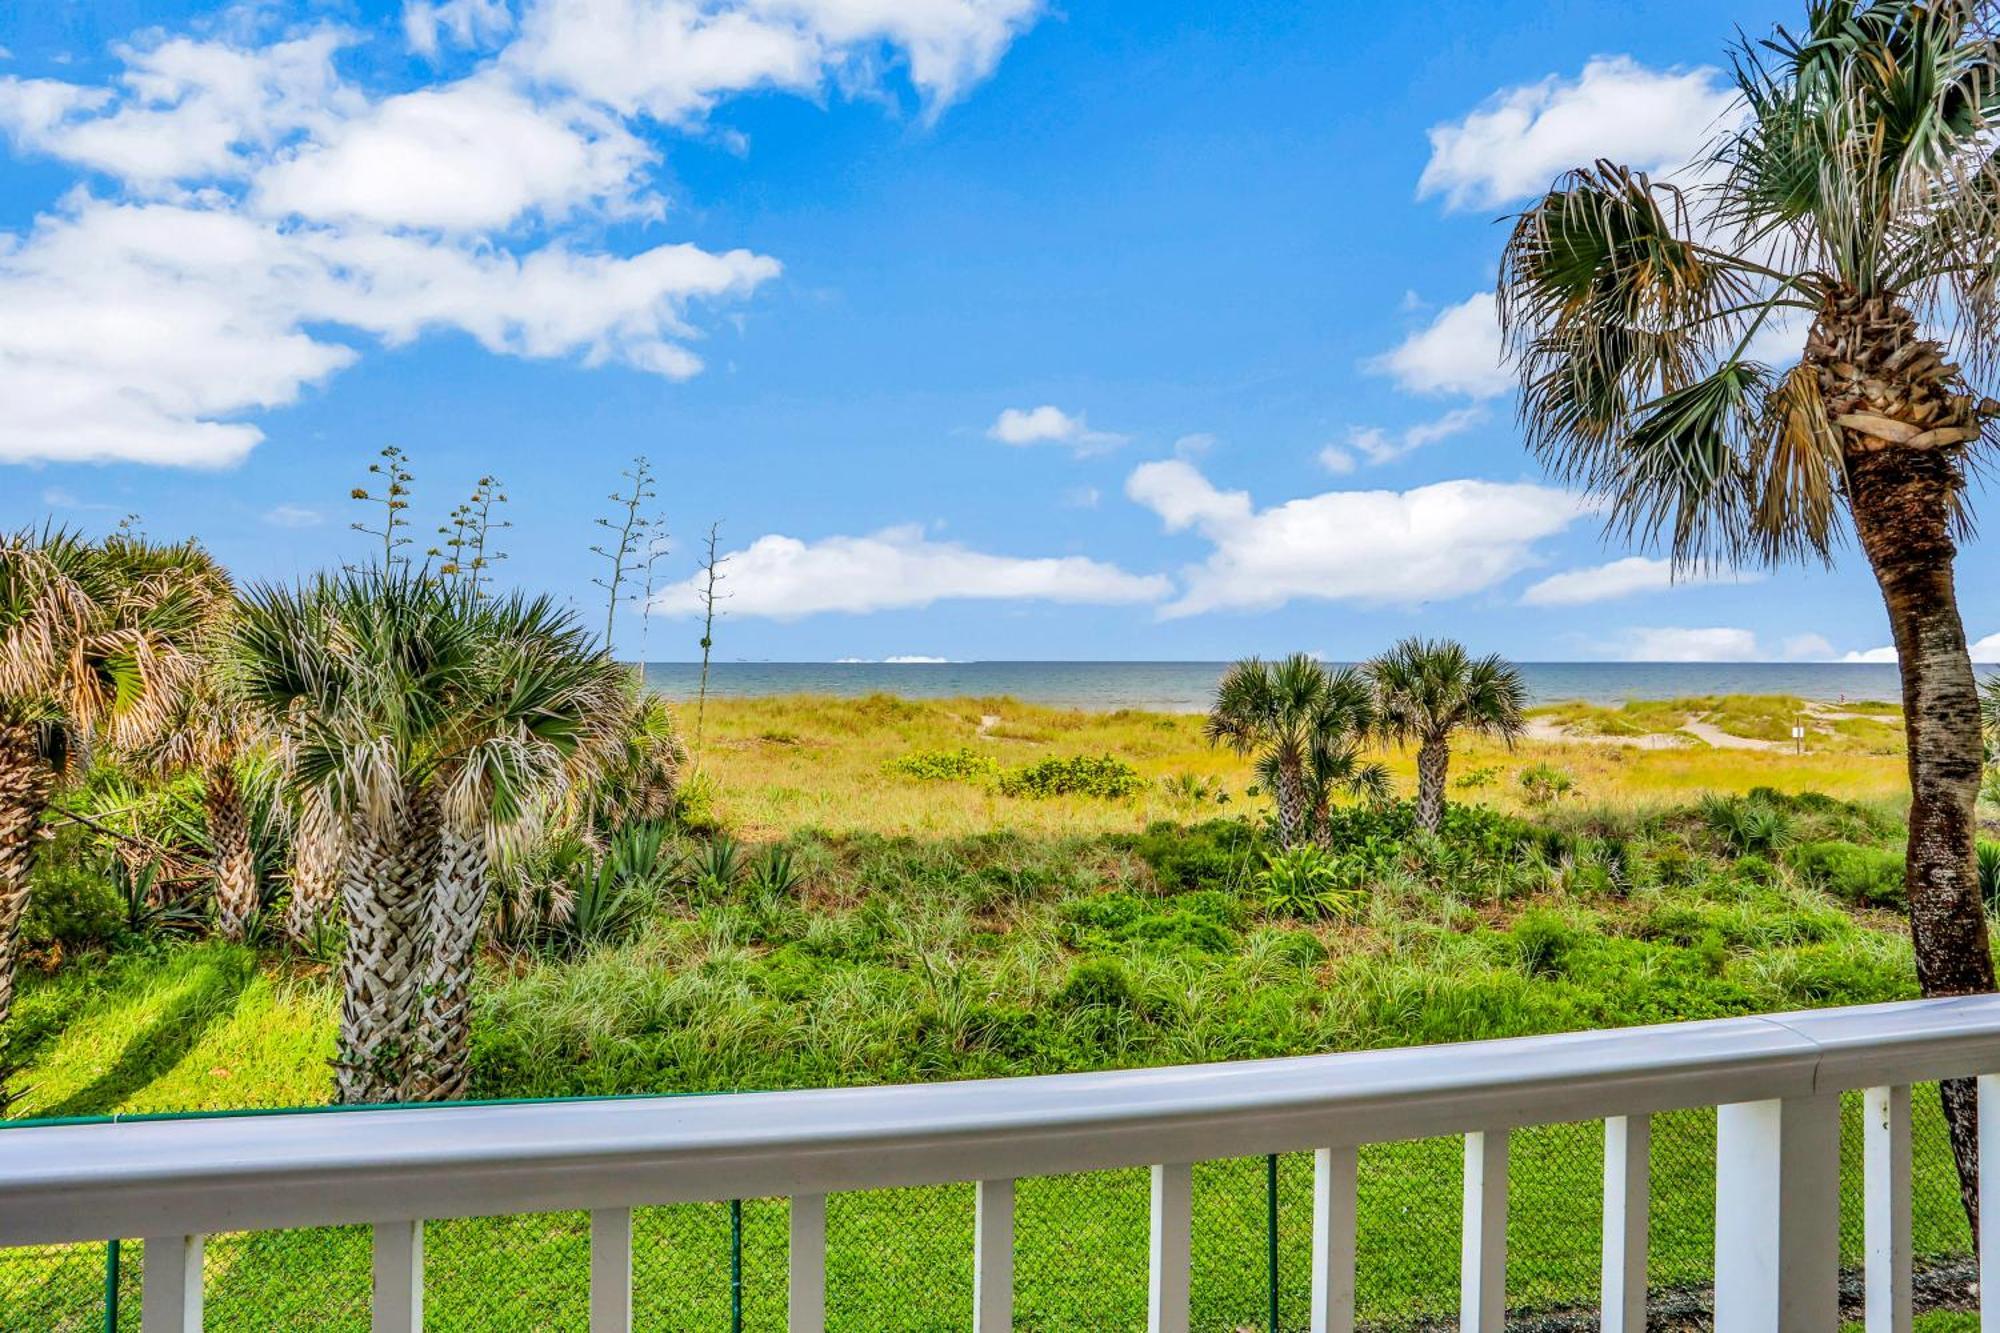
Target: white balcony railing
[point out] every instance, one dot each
(1776, 1080)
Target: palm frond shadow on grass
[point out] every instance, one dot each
(208, 998)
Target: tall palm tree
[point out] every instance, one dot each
(1303, 725)
(545, 709)
(94, 647)
(318, 851)
(1860, 196)
(1425, 689)
(434, 723)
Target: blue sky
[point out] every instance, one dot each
(986, 328)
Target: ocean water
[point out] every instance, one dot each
(1186, 687)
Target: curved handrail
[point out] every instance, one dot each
(87, 1182)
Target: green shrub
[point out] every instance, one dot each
(1217, 854)
(1099, 983)
(1748, 824)
(694, 804)
(70, 903)
(1542, 942)
(1545, 784)
(1306, 882)
(775, 873)
(1204, 922)
(1866, 876)
(1822, 818)
(960, 765)
(1194, 789)
(1989, 875)
(1104, 776)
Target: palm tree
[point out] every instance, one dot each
(543, 711)
(1303, 724)
(318, 851)
(1425, 689)
(94, 646)
(201, 731)
(1858, 196)
(639, 777)
(434, 723)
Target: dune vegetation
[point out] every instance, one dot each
(776, 764)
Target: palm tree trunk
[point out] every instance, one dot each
(1902, 500)
(25, 784)
(1433, 763)
(229, 839)
(1290, 797)
(440, 1068)
(385, 892)
(317, 852)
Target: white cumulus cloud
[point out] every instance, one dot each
(1512, 147)
(1373, 444)
(1049, 424)
(783, 578)
(1458, 352)
(474, 155)
(1445, 540)
(141, 331)
(1619, 578)
(673, 60)
(254, 218)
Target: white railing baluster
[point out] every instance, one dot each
(1482, 1255)
(611, 1270)
(1989, 1204)
(807, 1305)
(170, 1285)
(1172, 1249)
(1628, 1143)
(398, 1301)
(1777, 1215)
(1333, 1241)
(993, 1257)
(1885, 1172)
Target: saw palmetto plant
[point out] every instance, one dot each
(1854, 202)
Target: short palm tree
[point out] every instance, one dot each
(434, 724)
(94, 648)
(1860, 196)
(1303, 724)
(1426, 689)
(200, 730)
